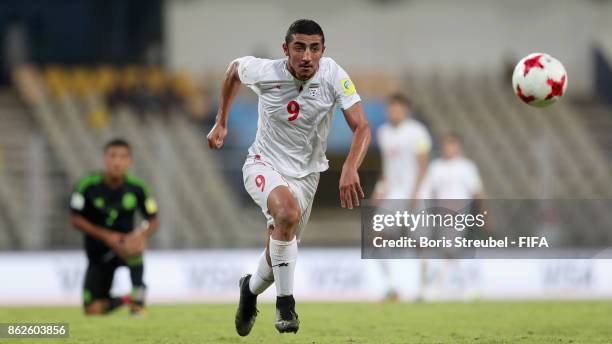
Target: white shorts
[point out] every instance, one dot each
(260, 178)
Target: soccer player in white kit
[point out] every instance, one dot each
(404, 144)
(453, 176)
(297, 99)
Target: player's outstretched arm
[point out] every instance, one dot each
(229, 89)
(350, 186)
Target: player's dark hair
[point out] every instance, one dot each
(304, 27)
(454, 136)
(118, 142)
(399, 98)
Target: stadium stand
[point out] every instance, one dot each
(22, 152)
(169, 155)
(499, 132)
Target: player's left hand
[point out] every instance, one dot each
(350, 188)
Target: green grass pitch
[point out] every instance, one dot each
(477, 322)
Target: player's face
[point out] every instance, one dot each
(397, 112)
(117, 160)
(304, 53)
(451, 148)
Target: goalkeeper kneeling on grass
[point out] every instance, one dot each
(103, 206)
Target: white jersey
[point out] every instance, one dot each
(456, 178)
(400, 146)
(295, 117)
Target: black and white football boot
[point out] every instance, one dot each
(286, 317)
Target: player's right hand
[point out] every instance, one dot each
(114, 240)
(216, 136)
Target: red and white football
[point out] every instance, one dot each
(539, 79)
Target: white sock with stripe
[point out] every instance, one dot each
(263, 276)
(283, 255)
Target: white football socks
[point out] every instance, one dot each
(283, 255)
(263, 277)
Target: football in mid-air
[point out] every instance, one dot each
(539, 79)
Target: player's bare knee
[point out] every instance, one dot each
(91, 311)
(285, 210)
(95, 308)
(287, 217)
(286, 220)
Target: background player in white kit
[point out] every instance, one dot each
(454, 182)
(404, 144)
(297, 99)
(453, 176)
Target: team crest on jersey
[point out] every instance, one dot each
(347, 87)
(129, 201)
(314, 91)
